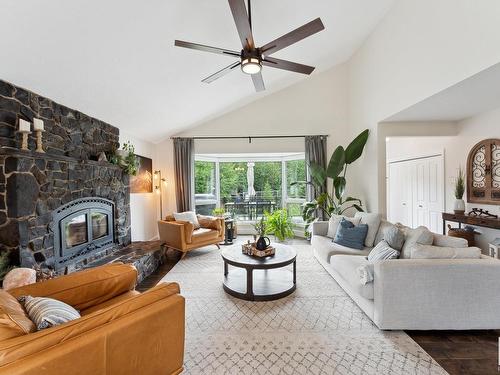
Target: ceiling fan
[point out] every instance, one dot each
(252, 58)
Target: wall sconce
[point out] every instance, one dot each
(159, 181)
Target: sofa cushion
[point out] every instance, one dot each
(448, 241)
(373, 222)
(13, 319)
(189, 216)
(420, 235)
(324, 249)
(382, 252)
(48, 312)
(394, 237)
(438, 252)
(350, 235)
(111, 302)
(346, 266)
(334, 223)
(382, 230)
(204, 234)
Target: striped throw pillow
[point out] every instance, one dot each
(48, 312)
(382, 252)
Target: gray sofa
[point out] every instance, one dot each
(417, 294)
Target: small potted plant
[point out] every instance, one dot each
(219, 212)
(126, 159)
(280, 224)
(262, 241)
(459, 205)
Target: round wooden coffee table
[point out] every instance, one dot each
(259, 279)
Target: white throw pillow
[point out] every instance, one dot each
(373, 222)
(438, 252)
(420, 235)
(334, 223)
(187, 216)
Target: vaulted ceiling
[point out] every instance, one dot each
(116, 59)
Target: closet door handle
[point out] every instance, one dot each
(420, 206)
(404, 204)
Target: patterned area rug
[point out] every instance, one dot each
(316, 330)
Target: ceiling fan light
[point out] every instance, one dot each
(251, 65)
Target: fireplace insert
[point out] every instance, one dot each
(82, 228)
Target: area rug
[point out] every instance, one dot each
(316, 330)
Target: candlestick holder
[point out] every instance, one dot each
(24, 144)
(39, 142)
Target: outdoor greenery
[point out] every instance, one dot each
(336, 171)
(460, 184)
(280, 224)
(204, 183)
(233, 179)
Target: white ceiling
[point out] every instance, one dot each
(476, 94)
(115, 59)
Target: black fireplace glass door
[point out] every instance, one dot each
(99, 224)
(76, 230)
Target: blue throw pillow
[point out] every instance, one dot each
(350, 235)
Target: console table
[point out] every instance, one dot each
(478, 221)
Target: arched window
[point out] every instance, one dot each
(483, 172)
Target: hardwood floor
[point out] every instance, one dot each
(461, 352)
(458, 352)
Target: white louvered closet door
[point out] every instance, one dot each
(416, 192)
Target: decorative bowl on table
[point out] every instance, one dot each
(250, 249)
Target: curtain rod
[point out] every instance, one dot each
(253, 136)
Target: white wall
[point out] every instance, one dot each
(164, 152)
(456, 149)
(419, 48)
(144, 206)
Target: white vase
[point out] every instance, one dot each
(459, 206)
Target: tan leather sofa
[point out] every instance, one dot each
(121, 331)
(182, 236)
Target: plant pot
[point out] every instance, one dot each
(262, 243)
(459, 206)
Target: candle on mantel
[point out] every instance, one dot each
(37, 124)
(24, 126)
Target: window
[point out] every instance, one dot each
(246, 186)
(295, 194)
(205, 187)
(483, 172)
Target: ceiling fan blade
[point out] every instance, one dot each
(242, 22)
(201, 47)
(287, 65)
(221, 72)
(258, 82)
(293, 37)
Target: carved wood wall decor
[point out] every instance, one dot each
(483, 172)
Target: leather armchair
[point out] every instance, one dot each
(121, 331)
(182, 236)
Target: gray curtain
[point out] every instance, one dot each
(315, 147)
(184, 169)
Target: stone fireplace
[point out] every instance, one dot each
(62, 207)
(82, 228)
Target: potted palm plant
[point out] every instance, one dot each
(459, 205)
(334, 203)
